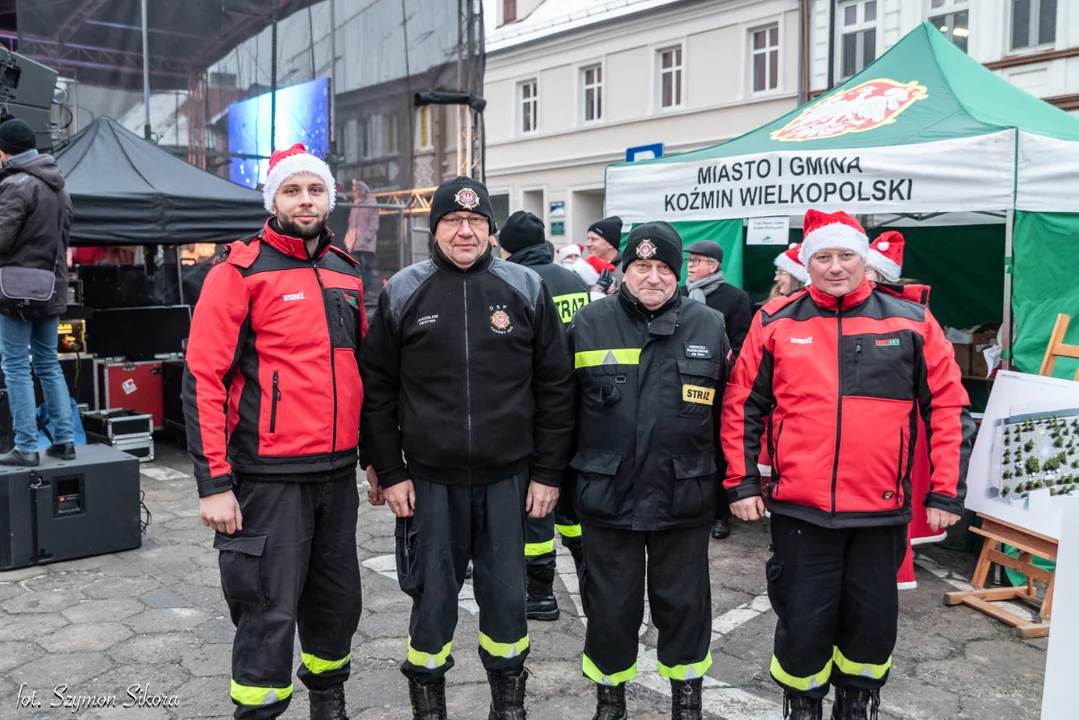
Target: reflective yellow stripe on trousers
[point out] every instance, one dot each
(317, 665)
(869, 670)
(800, 683)
(687, 672)
(427, 660)
(506, 650)
(594, 674)
(570, 531)
(540, 548)
(247, 695)
(617, 356)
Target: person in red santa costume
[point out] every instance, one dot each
(844, 369)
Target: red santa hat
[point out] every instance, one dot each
(832, 231)
(585, 271)
(788, 261)
(599, 264)
(295, 161)
(886, 255)
(569, 251)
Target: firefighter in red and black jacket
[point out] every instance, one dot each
(843, 369)
(272, 398)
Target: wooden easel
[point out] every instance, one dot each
(1030, 544)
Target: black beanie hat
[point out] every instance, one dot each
(655, 241)
(461, 193)
(17, 137)
(610, 229)
(522, 229)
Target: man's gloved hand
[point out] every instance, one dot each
(606, 279)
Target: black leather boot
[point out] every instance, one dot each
(64, 451)
(721, 529)
(20, 459)
(686, 699)
(610, 703)
(855, 704)
(800, 707)
(541, 603)
(428, 699)
(328, 704)
(507, 695)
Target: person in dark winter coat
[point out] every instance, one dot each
(522, 243)
(707, 284)
(650, 369)
(35, 229)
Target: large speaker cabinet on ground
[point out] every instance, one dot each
(62, 510)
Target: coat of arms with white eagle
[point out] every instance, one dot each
(860, 108)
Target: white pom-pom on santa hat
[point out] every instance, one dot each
(295, 161)
(569, 251)
(585, 271)
(788, 262)
(886, 256)
(832, 231)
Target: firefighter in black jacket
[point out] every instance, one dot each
(467, 424)
(522, 242)
(650, 369)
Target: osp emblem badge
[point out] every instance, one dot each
(467, 198)
(863, 107)
(500, 320)
(646, 250)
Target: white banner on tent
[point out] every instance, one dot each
(970, 174)
(1046, 172)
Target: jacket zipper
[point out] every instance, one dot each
(775, 462)
(333, 363)
(899, 469)
(468, 385)
(273, 404)
(839, 409)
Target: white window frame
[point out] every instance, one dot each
(532, 84)
(350, 136)
(596, 86)
(428, 143)
(948, 9)
(858, 28)
(766, 51)
(677, 70)
(1035, 13)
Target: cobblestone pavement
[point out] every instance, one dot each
(155, 618)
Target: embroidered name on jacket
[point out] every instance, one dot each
(293, 296)
(802, 341)
(888, 342)
(699, 395)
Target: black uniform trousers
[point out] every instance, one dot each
(679, 596)
(450, 524)
(835, 594)
(723, 507)
(292, 566)
(539, 544)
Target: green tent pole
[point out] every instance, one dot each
(1006, 335)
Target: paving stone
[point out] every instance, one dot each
(113, 586)
(155, 648)
(387, 624)
(216, 630)
(164, 598)
(13, 654)
(116, 609)
(84, 637)
(198, 595)
(210, 660)
(90, 563)
(149, 684)
(18, 628)
(71, 669)
(42, 602)
(380, 545)
(204, 697)
(55, 580)
(10, 590)
(167, 620)
(14, 576)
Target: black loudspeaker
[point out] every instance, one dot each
(63, 510)
(139, 333)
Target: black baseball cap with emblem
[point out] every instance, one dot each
(654, 241)
(461, 193)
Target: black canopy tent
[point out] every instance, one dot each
(127, 191)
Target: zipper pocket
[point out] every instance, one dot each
(775, 462)
(273, 404)
(899, 469)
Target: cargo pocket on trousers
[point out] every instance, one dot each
(773, 571)
(597, 495)
(695, 477)
(241, 567)
(406, 552)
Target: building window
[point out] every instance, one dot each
(857, 36)
(670, 77)
(391, 135)
(953, 24)
(349, 135)
(592, 82)
(529, 95)
(1034, 22)
(764, 58)
(509, 11)
(365, 140)
(425, 131)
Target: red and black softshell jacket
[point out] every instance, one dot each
(272, 384)
(843, 380)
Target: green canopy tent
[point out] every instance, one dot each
(924, 133)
